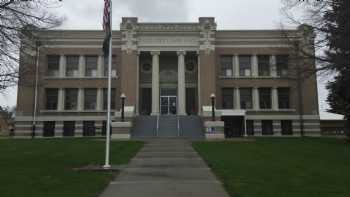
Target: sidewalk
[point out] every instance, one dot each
(166, 168)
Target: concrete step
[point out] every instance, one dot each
(166, 154)
(167, 163)
(167, 149)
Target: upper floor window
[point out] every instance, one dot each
(265, 98)
(71, 99)
(282, 62)
(72, 65)
(90, 97)
(53, 64)
(264, 65)
(283, 98)
(105, 96)
(246, 98)
(91, 66)
(114, 66)
(245, 66)
(51, 98)
(227, 98)
(226, 66)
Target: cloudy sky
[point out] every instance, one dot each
(229, 14)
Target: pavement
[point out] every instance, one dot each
(166, 168)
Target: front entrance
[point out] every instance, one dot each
(168, 105)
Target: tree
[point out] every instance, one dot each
(19, 20)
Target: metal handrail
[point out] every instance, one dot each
(178, 126)
(157, 130)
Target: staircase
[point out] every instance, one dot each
(168, 126)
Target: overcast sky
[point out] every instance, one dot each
(229, 14)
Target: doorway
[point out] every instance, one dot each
(168, 105)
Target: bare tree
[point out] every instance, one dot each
(19, 22)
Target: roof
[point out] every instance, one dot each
(331, 116)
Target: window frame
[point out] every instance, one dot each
(72, 68)
(53, 72)
(51, 101)
(243, 67)
(228, 93)
(280, 96)
(264, 65)
(265, 99)
(244, 105)
(91, 66)
(90, 93)
(66, 107)
(282, 66)
(226, 63)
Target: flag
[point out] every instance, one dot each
(107, 26)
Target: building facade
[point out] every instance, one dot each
(262, 84)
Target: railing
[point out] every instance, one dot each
(157, 129)
(178, 126)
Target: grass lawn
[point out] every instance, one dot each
(43, 167)
(291, 167)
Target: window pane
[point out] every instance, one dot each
(114, 66)
(245, 65)
(250, 127)
(226, 66)
(264, 65)
(91, 66)
(265, 98)
(282, 65)
(105, 96)
(51, 99)
(89, 128)
(68, 128)
(227, 98)
(246, 98)
(286, 127)
(283, 98)
(72, 65)
(90, 97)
(71, 99)
(267, 127)
(49, 129)
(53, 64)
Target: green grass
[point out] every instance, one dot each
(310, 167)
(41, 168)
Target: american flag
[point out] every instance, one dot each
(107, 26)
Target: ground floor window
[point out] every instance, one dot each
(89, 128)
(68, 128)
(104, 128)
(286, 127)
(49, 129)
(250, 127)
(267, 127)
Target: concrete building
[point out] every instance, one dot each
(168, 71)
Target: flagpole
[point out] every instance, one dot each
(108, 125)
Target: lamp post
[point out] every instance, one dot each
(212, 96)
(123, 104)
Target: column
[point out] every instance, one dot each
(100, 66)
(81, 66)
(81, 99)
(274, 98)
(236, 65)
(256, 102)
(273, 68)
(237, 104)
(60, 106)
(62, 66)
(155, 82)
(181, 87)
(99, 100)
(255, 68)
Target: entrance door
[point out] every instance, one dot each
(168, 105)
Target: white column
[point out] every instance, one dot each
(60, 105)
(81, 99)
(273, 66)
(81, 66)
(155, 82)
(99, 100)
(255, 69)
(100, 69)
(236, 65)
(256, 105)
(274, 98)
(237, 104)
(62, 66)
(181, 87)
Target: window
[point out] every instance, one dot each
(114, 66)
(91, 66)
(250, 127)
(282, 65)
(267, 127)
(71, 99)
(227, 98)
(68, 128)
(265, 98)
(105, 96)
(245, 66)
(53, 65)
(264, 65)
(90, 97)
(246, 98)
(49, 129)
(226, 66)
(104, 128)
(286, 127)
(283, 98)
(51, 99)
(72, 65)
(89, 128)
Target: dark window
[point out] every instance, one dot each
(226, 66)
(246, 98)
(114, 66)
(245, 66)
(91, 66)
(282, 65)
(283, 98)
(49, 129)
(286, 127)
(264, 65)
(250, 127)
(227, 98)
(68, 128)
(265, 98)
(71, 99)
(104, 128)
(105, 96)
(53, 64)
(72, 65)
(267, 127)
(90, 98)
(89, 128)
(51, 99)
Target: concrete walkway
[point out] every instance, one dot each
(166, 168)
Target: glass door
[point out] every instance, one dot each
(168, 105)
